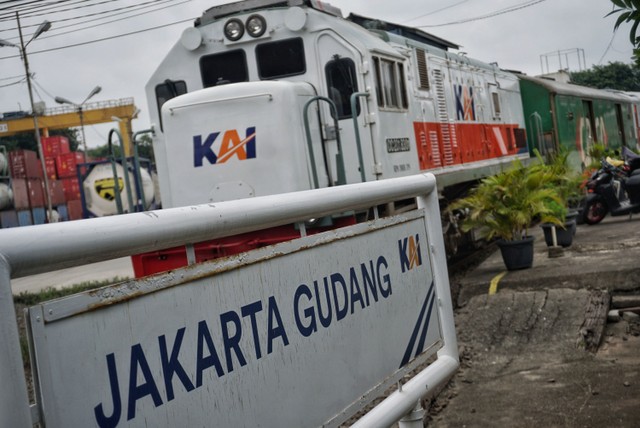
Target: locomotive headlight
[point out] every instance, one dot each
(233, 29)
(256, 25)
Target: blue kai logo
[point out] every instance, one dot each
(231, 145)
(410, 255)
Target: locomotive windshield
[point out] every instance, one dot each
(222, 68)
(281, 59)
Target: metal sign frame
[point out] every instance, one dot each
(39, 249)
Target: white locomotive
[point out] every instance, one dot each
(265, 96)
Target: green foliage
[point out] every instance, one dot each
(615, 75)
(629, 11)
(27, 140)
(50, 293)
(507, 204)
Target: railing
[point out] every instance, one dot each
(37, 249)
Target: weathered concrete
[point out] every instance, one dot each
(605, 256)
(523, 357)
(103, 271)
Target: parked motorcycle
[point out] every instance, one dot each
(614, 189)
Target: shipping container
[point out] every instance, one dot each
(25, 164)
(24, 218)
(37, 197)
(50, 166)
(71, 188)
(63, 212)
(54, 146)
(20, 194)
(8, 218)
(39, 215)
(74, 209)
(66, 164)
(56, 191)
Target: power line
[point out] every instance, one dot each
(14, 83)
(57, 27)
(102, 39)
(436, 11)
(487, 16)
(109, 22)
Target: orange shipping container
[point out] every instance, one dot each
(54, 146)
(24, 164)
(36, 192)
(75, 210)
(50, 165)
(71, 188)
(66, 164)
(56, 191)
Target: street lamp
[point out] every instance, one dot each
(61, 100)
(45, 26)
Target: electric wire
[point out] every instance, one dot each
(487, 16)
(436, 11)
(60, 27)
(101, 39)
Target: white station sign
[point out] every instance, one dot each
(299, 334)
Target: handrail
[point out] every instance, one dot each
(341, 179)
(38, 249)
(353, 100)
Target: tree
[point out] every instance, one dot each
(615, 75)
(629, 11)
(27, 140)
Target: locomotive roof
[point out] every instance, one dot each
(575, 90)
(408, 32)
(370, 24)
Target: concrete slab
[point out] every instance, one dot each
(604, 256)
(102, 271)
(523, 362)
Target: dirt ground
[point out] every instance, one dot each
(523, 364)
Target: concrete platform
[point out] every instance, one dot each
(523, 360)
(604, 256)
(103, 271)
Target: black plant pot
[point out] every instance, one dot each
(572, 217)
(564, 237)
(517, 254)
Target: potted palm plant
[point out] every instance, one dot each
(566, 182)
(505, 206)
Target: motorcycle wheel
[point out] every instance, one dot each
(595, 212)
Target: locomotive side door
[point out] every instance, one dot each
(340, 68)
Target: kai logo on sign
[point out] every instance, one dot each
(231, 146)
(410, 255)
(465, 105)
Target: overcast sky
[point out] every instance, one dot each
(517, 34)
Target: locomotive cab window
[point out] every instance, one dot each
(341, 83)
(167, 90)
(222, 68)
(282, 58)
(390, 87)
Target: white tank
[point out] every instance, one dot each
(6, 195)
(99, 190)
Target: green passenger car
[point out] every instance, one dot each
(564, 116)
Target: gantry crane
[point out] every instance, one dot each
(122, 111)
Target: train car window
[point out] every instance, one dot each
(496, 104)
(167, 90)
(342, 82)
(403, 89)
(222, 68)
(281, 59)
(423, 71)
(390, 84)
(376, 69)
